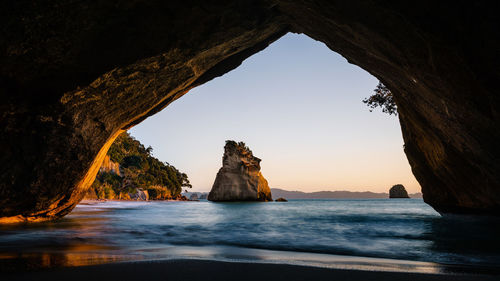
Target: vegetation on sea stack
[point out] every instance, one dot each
(138, 170)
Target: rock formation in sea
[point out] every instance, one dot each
(240, 178)
(193, 197)
(281, 199)
(398, 191)
(75, 74)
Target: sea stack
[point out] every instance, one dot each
(398, 191)
(240, 178)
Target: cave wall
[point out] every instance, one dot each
(78, 73)
(441, 61)
(74, 74)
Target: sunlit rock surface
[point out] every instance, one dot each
(75, 74)
(240, 178)
(398, 191)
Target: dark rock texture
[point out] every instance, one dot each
(240, 178)
(281, 199)
(74, 74)
(398, 191)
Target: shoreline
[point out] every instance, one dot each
(89, 201)
(198, 269)
(20, 219)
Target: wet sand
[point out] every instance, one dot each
(217, 270)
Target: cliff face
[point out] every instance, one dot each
(240, 178)
(398, 191)
(75, 74)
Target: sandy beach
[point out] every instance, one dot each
(216, 270)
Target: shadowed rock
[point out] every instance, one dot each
(140, 195)
(240, 178)
(75, 74)
(398, 191)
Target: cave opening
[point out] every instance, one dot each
(297, 104)
(67, 101)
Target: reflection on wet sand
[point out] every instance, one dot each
(77, 254)
(67, 248)
(35, 261)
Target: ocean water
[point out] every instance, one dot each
(315, 232)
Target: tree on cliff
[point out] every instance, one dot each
(382, 98)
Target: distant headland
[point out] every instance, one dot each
(130, 172)
(277, 192)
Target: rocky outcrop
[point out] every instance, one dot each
(240, 178)
(140, 195)
(109, 166)
(281, 199)
(398, 191)
(75, 74)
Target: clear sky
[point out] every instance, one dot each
(297, 105)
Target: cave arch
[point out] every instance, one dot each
(75, 75)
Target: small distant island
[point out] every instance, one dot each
(398, 191)
(240, 178)
(130, 172)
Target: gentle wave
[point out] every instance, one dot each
(406, 229)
